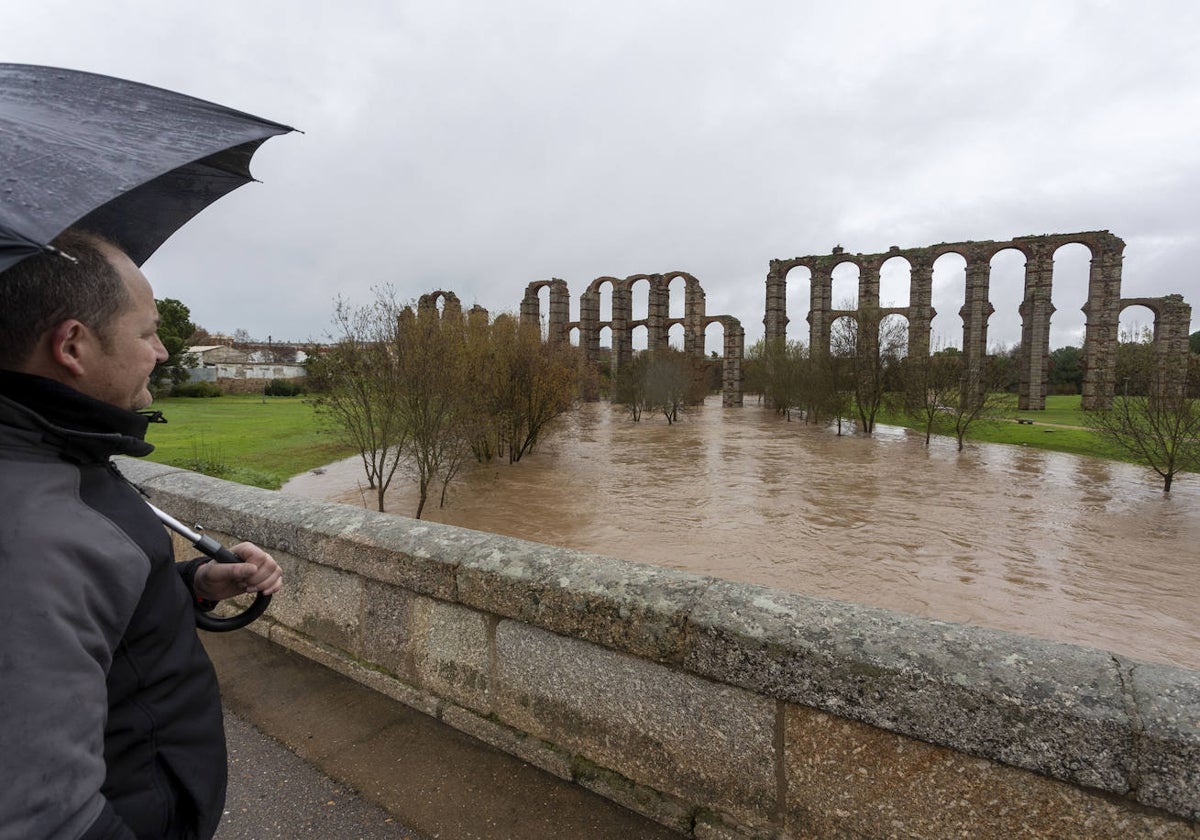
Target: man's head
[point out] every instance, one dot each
(90, 324)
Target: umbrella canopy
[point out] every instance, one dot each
(126, 160)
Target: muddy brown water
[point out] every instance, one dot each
(1058, 546)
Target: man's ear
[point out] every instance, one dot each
(69, 342)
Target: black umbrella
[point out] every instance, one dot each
(126, 160)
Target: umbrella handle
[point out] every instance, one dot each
(220, 554)
(205, 621)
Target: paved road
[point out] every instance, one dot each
(340, 737)
(275, 795)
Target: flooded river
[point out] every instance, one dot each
(1075, 549)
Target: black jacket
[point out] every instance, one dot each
(110, 717)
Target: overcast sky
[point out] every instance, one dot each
(478, 146)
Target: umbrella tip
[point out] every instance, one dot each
(59, 253)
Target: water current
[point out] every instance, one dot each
(1058, 546)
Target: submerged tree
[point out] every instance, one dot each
(1160, 429)
(931, 386)
(665, 380)
(355, 381)
(783, 374)
(980, 399)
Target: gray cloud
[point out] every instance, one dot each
(477, 146)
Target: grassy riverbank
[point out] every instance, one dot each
(1060, 428)
(264, 441)
(247, 438)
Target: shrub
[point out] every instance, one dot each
(283, 388)
(196, 389)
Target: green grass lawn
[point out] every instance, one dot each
(246, 438)
(1045, 432)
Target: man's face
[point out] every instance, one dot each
(119, 368)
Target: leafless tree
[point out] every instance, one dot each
(355, 381)
(1160, 428)
(933, 385)
(980, 398)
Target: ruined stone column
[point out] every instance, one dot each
(531, 308)
(868, 285)
(1035, 311)
(1171, 348)
(775, 320)
(658, 311)
(1101, 333)
(920, 307)
(478, 316)
(694, 317)
(560, 311)
(976, 310)
(731, 371)
(819, 307)
(622, 335)
(589, 325)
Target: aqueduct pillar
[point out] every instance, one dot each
(920, 307)
(589, 325)
(694, 317)
(775, 319)
(819, 309)
(1102, 312)
(731, 371)
(622, 332)
(658, 311)
(1035, 310)
(976, 310)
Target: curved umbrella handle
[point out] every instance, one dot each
(220, 554)
(206, 621)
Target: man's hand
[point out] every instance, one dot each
(258, 572)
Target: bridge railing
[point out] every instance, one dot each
(721, 709)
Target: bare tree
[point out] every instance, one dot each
(431, 385)
(1161, 428)
(532, 383)
(931, 386)
(355, 382)
(980, 398)
(783, 374)
(629, 390)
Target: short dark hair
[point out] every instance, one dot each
(44, 290)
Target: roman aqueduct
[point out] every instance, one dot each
(1172, 316)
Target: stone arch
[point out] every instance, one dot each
(560, 308)
(1169, 338)
(889, 266)
(947, 285)
(735, 349)
(427, 304)
(1101, 309)
(694, 312)
(589, 317)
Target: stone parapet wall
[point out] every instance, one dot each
(723, 710)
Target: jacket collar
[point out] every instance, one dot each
(82, 427)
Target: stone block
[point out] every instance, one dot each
(451, 652)
(625, 606)
(421, 556)
(328, 604)
(1050, 707)
(849, 780)
(1168, 711)
(386, 638)
(656, 726)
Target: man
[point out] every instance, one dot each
(110, 719)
